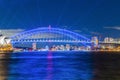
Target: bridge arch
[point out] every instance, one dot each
(46, 34)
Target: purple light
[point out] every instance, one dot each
(49, 66)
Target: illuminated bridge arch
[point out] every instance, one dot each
(49, 35)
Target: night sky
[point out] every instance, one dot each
(90, 17)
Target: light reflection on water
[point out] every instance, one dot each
(49, 66)
(4, 59)
(59, 66)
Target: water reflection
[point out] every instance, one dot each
(106, 66)
(50, 66)
(4, 58)
(59, 66)
(73, 66)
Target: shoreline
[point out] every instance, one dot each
(68, 51)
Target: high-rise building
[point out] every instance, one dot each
(95, 41)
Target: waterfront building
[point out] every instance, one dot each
(95, 42)
(117, 40)
(5, 45)
(108, 39)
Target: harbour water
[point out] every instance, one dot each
(60, 66)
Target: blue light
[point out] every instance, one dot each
(66, 33)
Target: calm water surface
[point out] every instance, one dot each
(60, 66)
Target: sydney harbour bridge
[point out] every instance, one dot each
(47, 35)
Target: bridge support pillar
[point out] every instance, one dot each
(34, 46)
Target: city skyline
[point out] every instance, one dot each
(93, 17)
